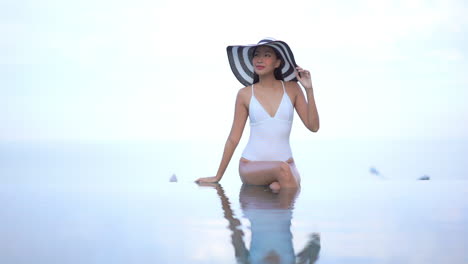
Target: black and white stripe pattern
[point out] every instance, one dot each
(240, 60)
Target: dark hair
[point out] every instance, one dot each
(278, 74)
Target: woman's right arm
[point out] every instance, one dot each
(240, 118)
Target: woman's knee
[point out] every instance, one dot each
(285, 171)
(286, 176)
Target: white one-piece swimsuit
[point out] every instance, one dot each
(269, 136)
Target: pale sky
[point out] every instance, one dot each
(156, 70)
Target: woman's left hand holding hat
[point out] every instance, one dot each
(304, 77)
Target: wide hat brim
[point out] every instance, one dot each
(240, 60)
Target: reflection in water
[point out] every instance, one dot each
(270, 216)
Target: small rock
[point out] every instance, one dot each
(373, 170)
(424, 178)
(173, 178)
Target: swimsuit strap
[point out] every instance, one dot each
(252, 90)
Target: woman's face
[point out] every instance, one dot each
(264, 60)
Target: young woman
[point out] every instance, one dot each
(270, 74)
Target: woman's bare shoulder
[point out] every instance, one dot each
(244, 93)
(292, 87)
(246, 89)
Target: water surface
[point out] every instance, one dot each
(113, 203)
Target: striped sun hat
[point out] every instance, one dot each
(240, 59)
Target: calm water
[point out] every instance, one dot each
(113, 203)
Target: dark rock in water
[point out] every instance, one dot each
(424, 178)
(173, 178)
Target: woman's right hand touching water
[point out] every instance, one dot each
(213, 179)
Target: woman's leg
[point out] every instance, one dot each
(276, 174)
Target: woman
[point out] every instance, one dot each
(270, 74)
